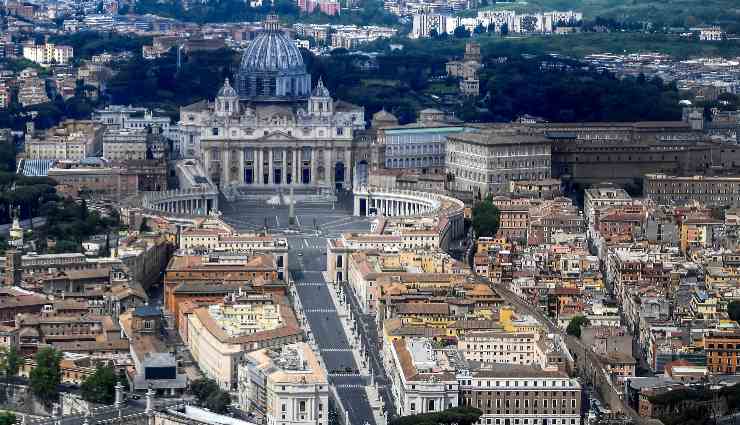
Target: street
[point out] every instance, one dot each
(307, 260)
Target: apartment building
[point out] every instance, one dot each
(48, 54)
(487, 161)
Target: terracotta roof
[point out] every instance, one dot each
(423, 308)
(259, 262)
(289, 328)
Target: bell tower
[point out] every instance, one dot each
(13, 267)
(320, 102)
(227, 101)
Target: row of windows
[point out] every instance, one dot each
(526, 421)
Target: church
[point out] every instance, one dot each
(271, 129)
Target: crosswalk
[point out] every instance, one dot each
(314, 243)
(336, 350)
(319, 310)
(354, 375)
(349, 386)
(310, 284)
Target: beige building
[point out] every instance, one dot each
(70, 140)
(707, 190)
(487, 161)
(125, 145)
(285, 386)
(218, 341)
(96, 179)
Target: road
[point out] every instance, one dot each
(307, 260)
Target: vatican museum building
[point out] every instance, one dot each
(272, 129)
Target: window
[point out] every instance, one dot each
(413, 407)
(283, 407)
(214, 131)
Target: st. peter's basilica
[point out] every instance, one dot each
(271, 129)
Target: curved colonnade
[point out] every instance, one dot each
(192, 202)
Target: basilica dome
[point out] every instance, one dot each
(272, 67)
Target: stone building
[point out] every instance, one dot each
(125, 145)
(488, 160)
(293, 377)
(272, 130)
(707, 190)
(70, 140)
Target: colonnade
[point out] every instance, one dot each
(193, 202)
(389, 207)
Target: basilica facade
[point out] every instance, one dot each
(272, 129)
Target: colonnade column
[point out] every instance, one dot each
(271, 170)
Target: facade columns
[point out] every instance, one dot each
(284, 172)
(328, 167)
(241, 166)
(296, 166)
(314, 158)
(271, 170)
(225, 166)
(348, 168)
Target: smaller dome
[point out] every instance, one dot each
(227, 90)
(383, 118)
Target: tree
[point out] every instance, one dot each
(100, 387)
(486, 218)
(218, 401)
(733, 310)
(456, 415)
(575, 325)
(210, 395)
(46, 376)
(461, 32)
(434, 33)
(11, 361)
(504, 29)
(7, 418)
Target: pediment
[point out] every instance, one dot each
(277, 136)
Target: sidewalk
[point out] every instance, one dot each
(343, 313)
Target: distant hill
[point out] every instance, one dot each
(671, 13)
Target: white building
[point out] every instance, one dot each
(603, 197)
(119, 117)
(48, 54)
(423, 379)
(125, 145)
(285, 386)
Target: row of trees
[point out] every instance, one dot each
(455, 416)
(46, 376)
(210, 395)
